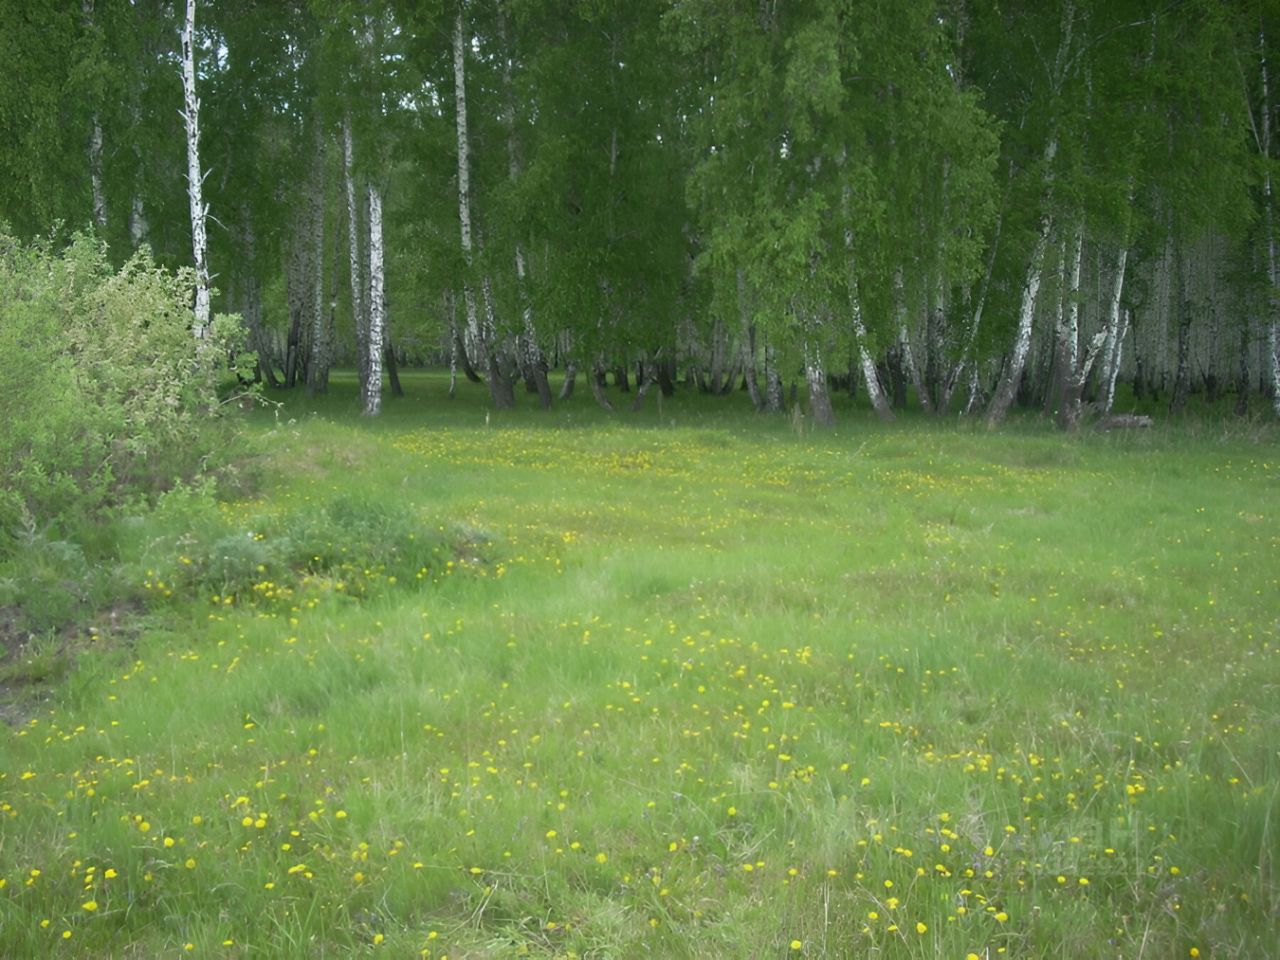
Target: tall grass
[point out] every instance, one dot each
(679, 683)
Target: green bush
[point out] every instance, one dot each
(104, 392)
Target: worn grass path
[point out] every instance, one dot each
(680, 683)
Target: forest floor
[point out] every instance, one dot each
(679, 683)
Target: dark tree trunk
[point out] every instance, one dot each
(897, 377)
(597, 380)
(540, 384)
(393, 370)
(502, 385)
(666, 380)
(620, 378)
(460, 345)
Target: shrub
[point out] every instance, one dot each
(106, 392)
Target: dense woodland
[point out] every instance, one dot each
(967, 203)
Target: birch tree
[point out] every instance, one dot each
(195, 178)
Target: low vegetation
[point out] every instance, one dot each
(686, 683)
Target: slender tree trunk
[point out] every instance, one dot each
(530, 354)
(97, 194)
(1117, 326)
(295, 295)
(748, 342)
(875, 392)
(1070, 382)
(1009, 384)
(475, 336)
(195, 178)
(359, 315)
(393, 369)
(377, 307)
(904, 344)
(451, 312)
(501, 372)
(749, 368)
(95, 176)
(318, 368)
(772, 380)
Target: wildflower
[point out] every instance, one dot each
(797, 945)
(90, 905)
(921, 928)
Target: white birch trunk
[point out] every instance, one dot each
(874, 390)
(95, 176)
(1068, 332)
(318, 367)
(359, 317)
(464, 175)
(95, 147)
(815, 375)
(1008, 388)
(772, 380)
(195, 179)
(904, 340)
(377, 311)
(1117, 326)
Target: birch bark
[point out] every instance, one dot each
(195, 179)
(815, 375)
(1117, 327)
(377, 312)
(318, 364)
(874, 390)
(531, 356)
(473, 332)
(1008, 388)
(359, 317)
(1068, 335)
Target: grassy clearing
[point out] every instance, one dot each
(685, 683)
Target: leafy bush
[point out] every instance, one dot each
(104, 392)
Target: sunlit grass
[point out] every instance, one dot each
(678, 683)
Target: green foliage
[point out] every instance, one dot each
(108, 394)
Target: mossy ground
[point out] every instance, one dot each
(686, 682)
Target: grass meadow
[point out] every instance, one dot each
(678, 683)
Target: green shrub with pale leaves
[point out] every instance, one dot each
(104, 391)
